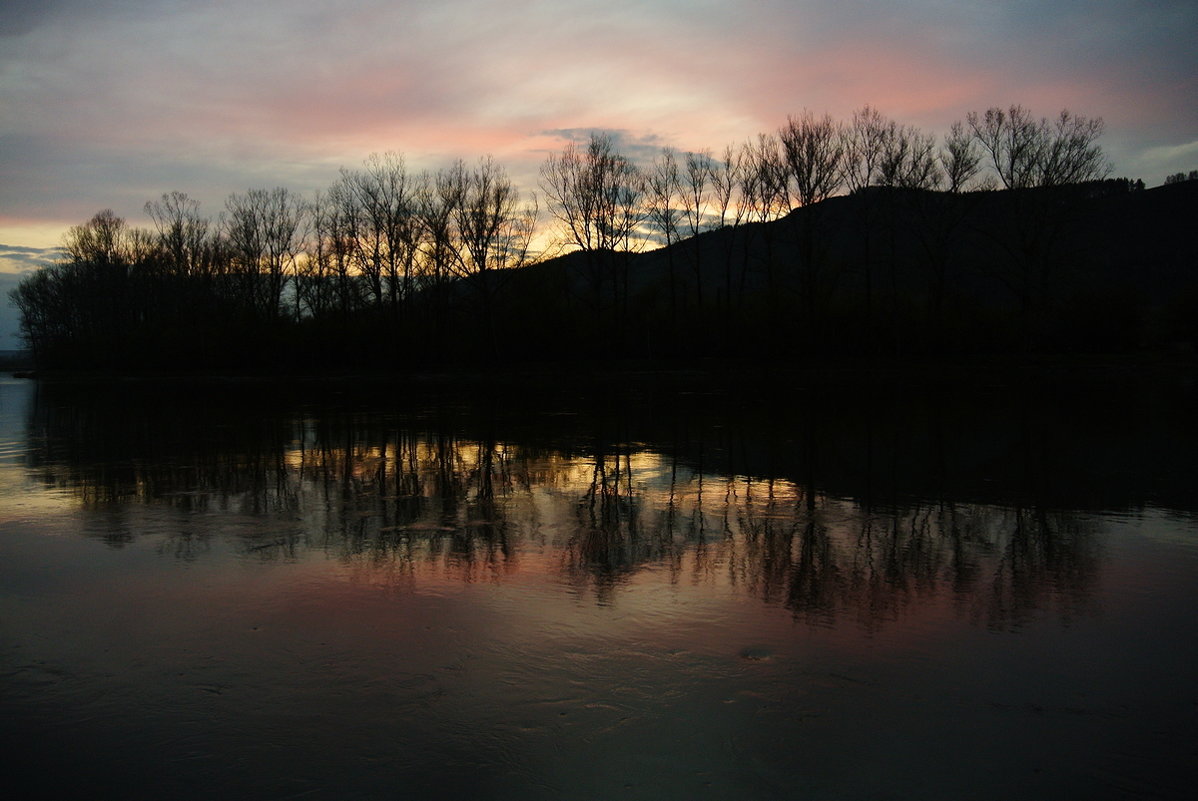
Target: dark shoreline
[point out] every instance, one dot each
(973, 372)
(1105, 432)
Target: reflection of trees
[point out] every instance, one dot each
(1045, 554)
(385, 494)
(396, 499)
(824, 557)
(609, 541)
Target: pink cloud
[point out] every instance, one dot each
(99, 105)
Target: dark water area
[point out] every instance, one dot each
(236, 590)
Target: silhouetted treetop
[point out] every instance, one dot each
(821, 237)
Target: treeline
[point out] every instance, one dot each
(689, 254)
(277, 279)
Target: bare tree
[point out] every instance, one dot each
(662, 187)
(493, 231)
(1026, 152)
(1012, 139)
(100, 255)
(699, 169)
(959, 158)
(102, 240)
(694, 203)
(331, 277)
(725, 180)
(814, 154)
(765, 197)
(440, 196)
(484, 204)
(813, 148)
(662, 190)
(728, 210)
(182, 232)
(595, 194)
(102, 302)
(313, 284)
(864, 141)
(387, 225)
(909, 160)
(263, 228)
(565, 180)
(764, 185)
(1071, 154)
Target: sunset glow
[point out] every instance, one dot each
(110, 104)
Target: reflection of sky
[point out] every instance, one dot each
(21, 499)
(427, 514)
(242, 608)
(15, 400)
(186, 665)
(112, 103)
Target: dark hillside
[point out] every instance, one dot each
(879, 274)
(1091, 268)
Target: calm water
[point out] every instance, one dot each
(225, 591)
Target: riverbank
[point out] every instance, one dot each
(993, 371)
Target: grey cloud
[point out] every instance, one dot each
(23, 16)
(56, 179)
(25, 258)
(640, 148)
(15, 264)
(125, 99)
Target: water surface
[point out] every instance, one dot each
(224, 590)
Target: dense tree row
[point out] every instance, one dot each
(273, 266)
(785, 282)
(391, 265)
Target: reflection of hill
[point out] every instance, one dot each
(1089, 447)
(828, 504)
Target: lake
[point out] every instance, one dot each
(694, 591)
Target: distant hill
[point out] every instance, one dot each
(1096, 267)
(882, 274)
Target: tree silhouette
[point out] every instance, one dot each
(390, 267)
(1026, 152)
(263, 229)
(959, 158)
(596, 196)
(494, 232)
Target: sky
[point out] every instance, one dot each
(110, 103)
